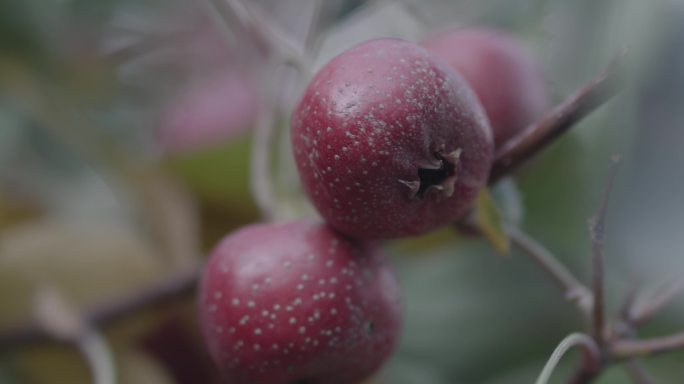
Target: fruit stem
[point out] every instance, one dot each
(574, 290)
(561, 118)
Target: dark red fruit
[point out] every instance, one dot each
(298, 303)
(501, 71)
(390, 142)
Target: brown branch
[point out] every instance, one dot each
(105, 314)
(625, 349)
(561, 118)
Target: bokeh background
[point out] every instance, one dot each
(126, 130)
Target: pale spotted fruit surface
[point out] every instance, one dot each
(297, 303)
(390, 142)
(501, 70)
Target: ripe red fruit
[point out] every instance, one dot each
(390, 142)
(298, 303)
(501, 71)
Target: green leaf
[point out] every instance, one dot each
(488, 220)
(508, 200)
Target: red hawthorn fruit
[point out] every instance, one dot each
(390, 141)
(298, 303)
(502, 72)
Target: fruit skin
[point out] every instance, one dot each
(298, 303)
(390, 142)
(502, 72)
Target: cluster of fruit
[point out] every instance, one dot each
(391, 139)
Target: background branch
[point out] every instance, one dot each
(644, 310)
(637, 372)
(624, 349)
(102, 315)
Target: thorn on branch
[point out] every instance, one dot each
(645, 309)
(597, 234)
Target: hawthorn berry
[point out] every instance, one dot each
(502, 72)
(390, 142)
(297, 302)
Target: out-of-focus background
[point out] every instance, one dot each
(125, 139)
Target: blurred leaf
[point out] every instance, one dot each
(469, 314)
(139, 368)
(487, 218)
(508, 199)
(64, 364)
(219, 179)
(87, 262)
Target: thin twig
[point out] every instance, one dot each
(573, 288)
(96, 350)
(561, 118)
(637, 372)
(624, 349)
(262, 147)
(57, 317)
(598, 237)
(266, 30)
(576, 339)
(164, 292)
(645, 309)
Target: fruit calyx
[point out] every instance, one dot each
(436, 179)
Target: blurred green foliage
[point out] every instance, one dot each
(78, 128)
